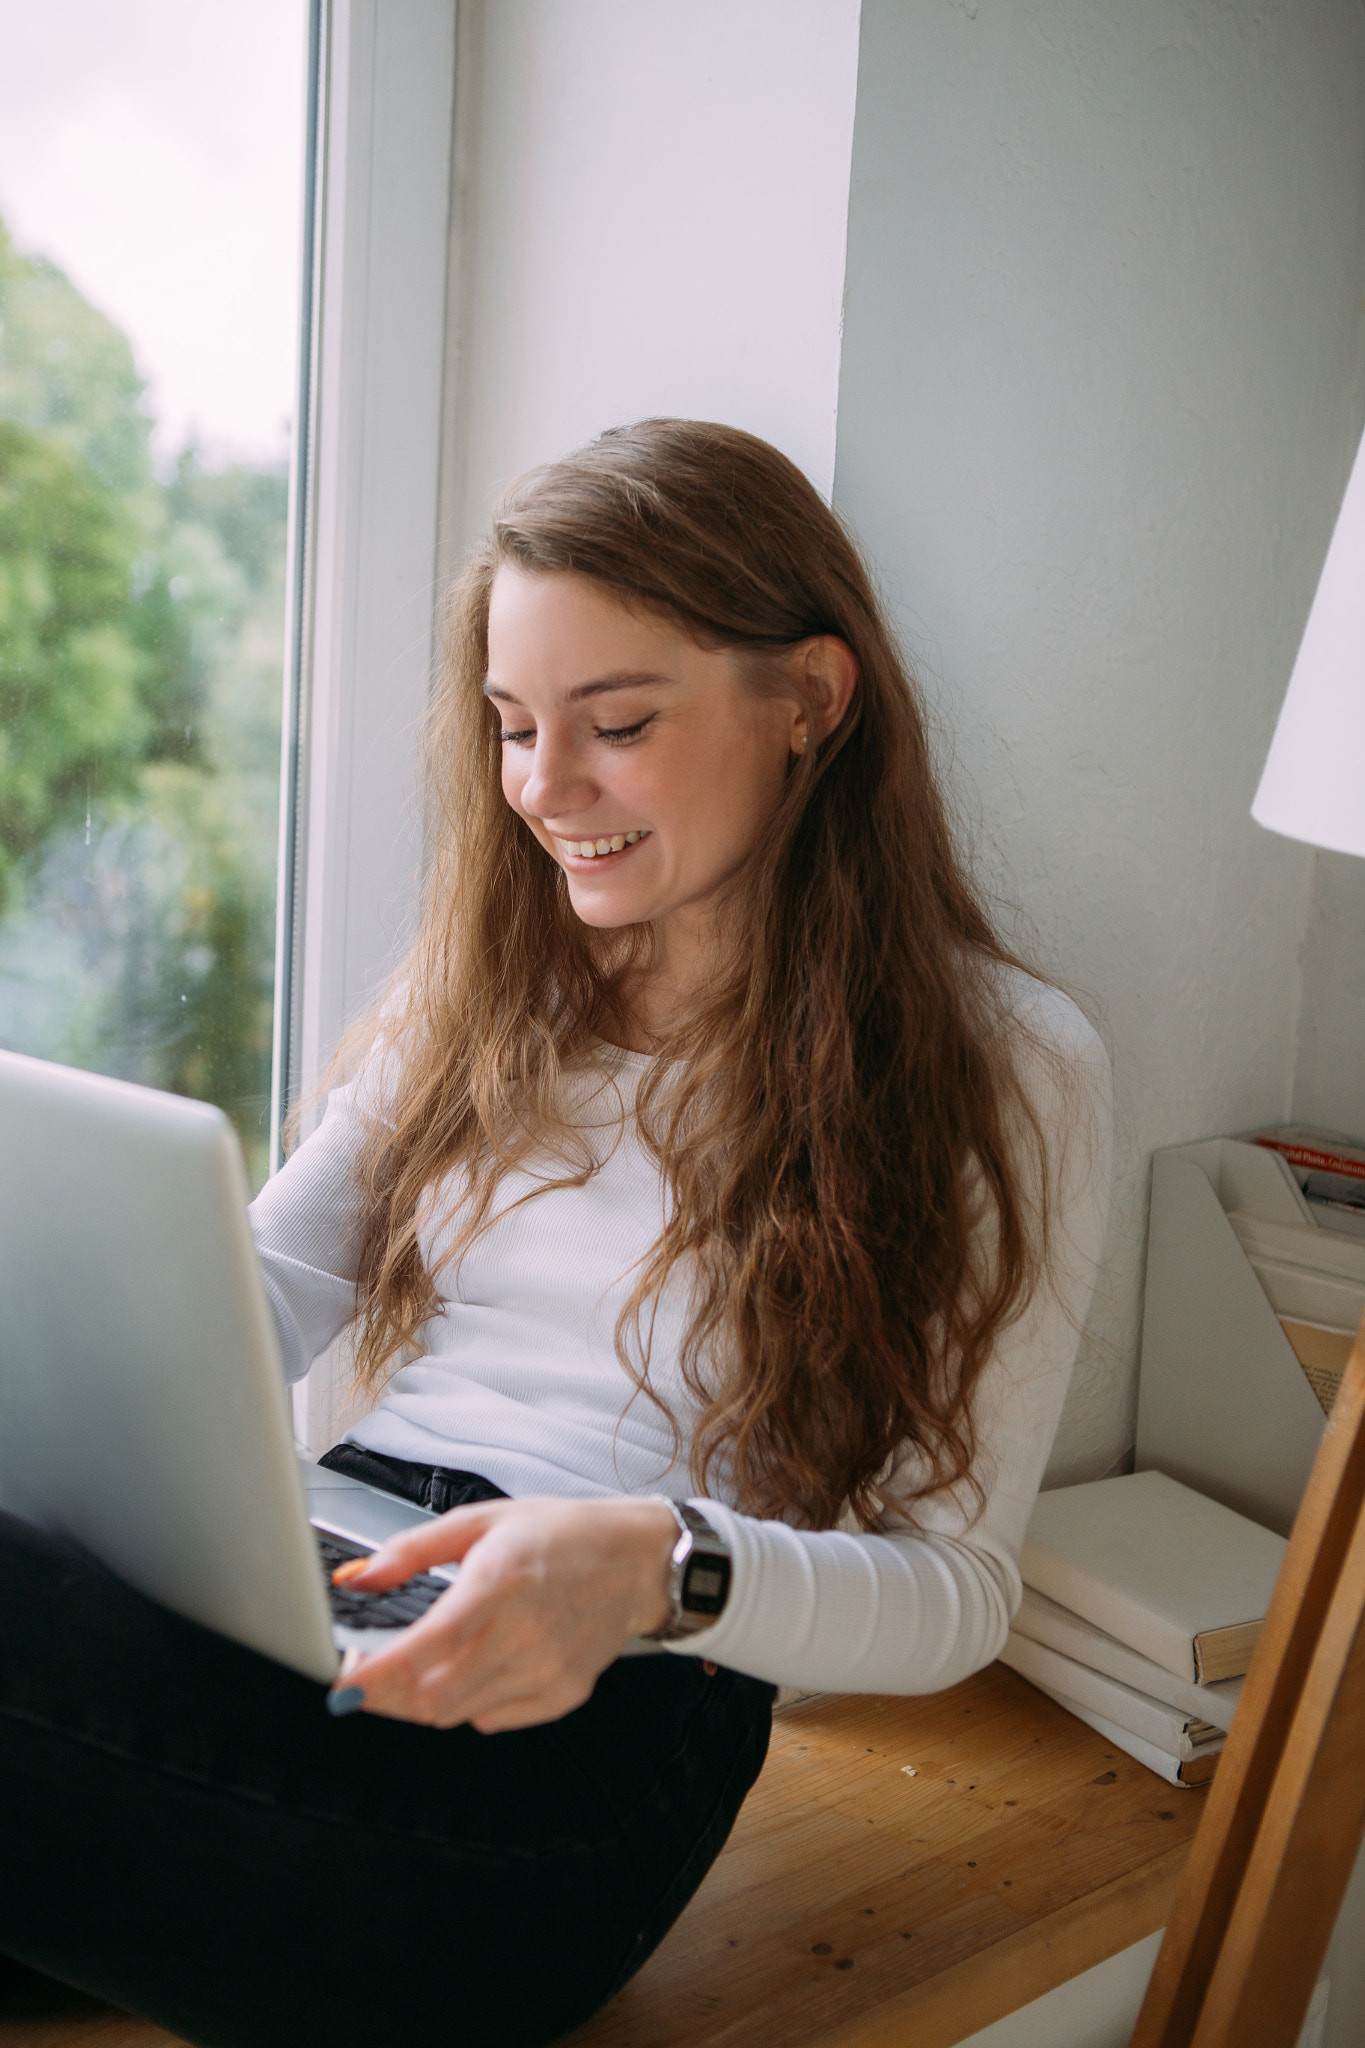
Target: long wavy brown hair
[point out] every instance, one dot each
(854, 1172)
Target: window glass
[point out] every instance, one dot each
(151, 163)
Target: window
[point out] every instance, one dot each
(151, 186)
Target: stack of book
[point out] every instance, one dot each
(1142, 1605)
(1314, 1272)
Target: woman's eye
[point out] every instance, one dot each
(614, 735)
(622, 735)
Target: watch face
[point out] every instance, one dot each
(706, 1581)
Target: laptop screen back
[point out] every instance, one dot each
(142, 1408)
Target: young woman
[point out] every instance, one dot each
(711, 1151)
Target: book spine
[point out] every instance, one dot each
(1316, 1158)
(1070, 1586)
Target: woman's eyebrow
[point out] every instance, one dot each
(623, 679)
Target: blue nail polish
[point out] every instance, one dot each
(346, 1699)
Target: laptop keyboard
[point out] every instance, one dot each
(374, 1610)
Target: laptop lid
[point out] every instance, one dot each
(143, 1411)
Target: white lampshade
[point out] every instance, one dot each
(1313, 786)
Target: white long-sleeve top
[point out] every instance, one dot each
(519, 1379)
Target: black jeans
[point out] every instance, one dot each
(185, 1830)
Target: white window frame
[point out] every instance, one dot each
(366, 531)
(365, 609)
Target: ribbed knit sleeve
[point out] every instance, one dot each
(305, 1223)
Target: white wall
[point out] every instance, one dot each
(651, 221)
(1329, 1083)
(1101, 385)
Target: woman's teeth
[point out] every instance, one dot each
(588, 849)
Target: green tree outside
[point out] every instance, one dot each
(141, 639)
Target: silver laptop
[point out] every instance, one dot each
(143, 1411)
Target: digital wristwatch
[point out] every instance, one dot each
(698, 1573)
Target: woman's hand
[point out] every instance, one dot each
(548, 1592)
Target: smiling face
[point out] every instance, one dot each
(623, 735)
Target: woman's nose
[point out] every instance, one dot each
(556, 786)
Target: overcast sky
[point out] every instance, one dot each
(153, 148)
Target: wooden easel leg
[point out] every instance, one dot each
(1288, 1779)
(1305, 1848)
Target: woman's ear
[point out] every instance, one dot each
(831, 678)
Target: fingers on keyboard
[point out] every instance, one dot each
(394, 1609)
